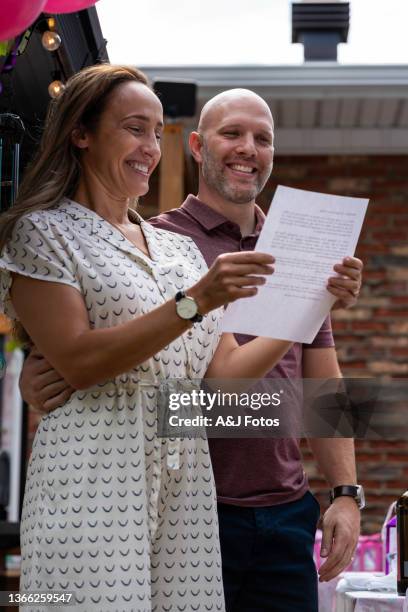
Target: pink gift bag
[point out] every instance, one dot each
(367, 558)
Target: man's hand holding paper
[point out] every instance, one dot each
(310, 235)
(346, 287)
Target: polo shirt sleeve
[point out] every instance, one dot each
(34, 250)
(324, 337)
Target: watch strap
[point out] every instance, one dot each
(353, 491)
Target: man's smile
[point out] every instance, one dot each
(242, 169)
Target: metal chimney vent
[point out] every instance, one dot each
(320, 27)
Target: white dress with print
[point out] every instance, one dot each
(124, 519)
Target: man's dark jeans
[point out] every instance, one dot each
(267, 556)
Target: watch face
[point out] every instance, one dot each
(360, 497)
(186, 308)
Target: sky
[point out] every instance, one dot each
(226, 32)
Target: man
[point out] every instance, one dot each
(267, 516)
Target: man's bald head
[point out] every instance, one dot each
(233, 147)
(228, 101)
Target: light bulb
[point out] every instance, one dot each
(51, 41)
(56, 88)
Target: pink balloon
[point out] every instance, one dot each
(67, 6)
(17, 15)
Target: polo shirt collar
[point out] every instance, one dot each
(210, 218)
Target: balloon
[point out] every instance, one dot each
(17, 15)
(67, 6)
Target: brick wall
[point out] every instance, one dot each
(372, 338)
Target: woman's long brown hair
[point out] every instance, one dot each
(55, 170)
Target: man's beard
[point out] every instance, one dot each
(214, 177)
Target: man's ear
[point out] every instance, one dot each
(195, 142)
(79, 137)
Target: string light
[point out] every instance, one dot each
(51, 41)
(56, 88)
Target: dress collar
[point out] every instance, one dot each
(95, 225)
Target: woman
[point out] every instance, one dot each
(123, 519)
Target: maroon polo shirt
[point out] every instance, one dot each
(248, 472)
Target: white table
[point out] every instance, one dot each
(369, 601)
(347, 600)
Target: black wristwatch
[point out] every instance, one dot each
(354, 491)
(187, 308)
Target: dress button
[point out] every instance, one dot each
(190, 334)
